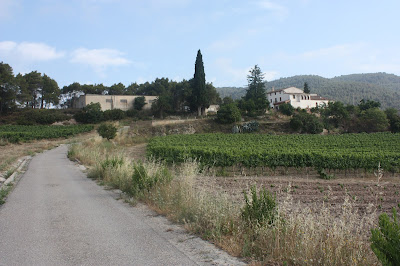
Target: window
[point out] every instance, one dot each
(275, 93)
(271, 100)
(108, 100)
(280, 99)
(124, 101)
(294, 96)
(275, 100)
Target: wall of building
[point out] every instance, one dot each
(109, 102)
(296, 97)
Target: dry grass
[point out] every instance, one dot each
(301, 236)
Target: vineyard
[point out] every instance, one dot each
(342, 152)
(15, 134)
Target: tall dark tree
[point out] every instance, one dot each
(7, 88)
(23, 95)
(50, 92)
(131, 89)
(117, 89)
(199, 97)
(255, 93)
(306, 88)
(35, 84)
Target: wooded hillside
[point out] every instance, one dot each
(350, 89)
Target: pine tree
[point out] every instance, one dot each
(256, 90)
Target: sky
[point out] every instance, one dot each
(112, 41)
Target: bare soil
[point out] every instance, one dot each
(309, 191)
(313, 192)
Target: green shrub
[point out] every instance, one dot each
(107, 131)
(139, 102)
(386, 239)
(324, 175)
(115, 114)
(306, 123)
(250, 127)
(90, 114)
(228, 113)
(40, 116)
(262, 209)
(286, 109)
(132, 113)
(143, 181)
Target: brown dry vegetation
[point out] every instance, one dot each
(10, 153)
(321, 221)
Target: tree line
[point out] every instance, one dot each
(339, 117)
(32, 90)
(350, 89)
(35, 90)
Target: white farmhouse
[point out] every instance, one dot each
(296, 97)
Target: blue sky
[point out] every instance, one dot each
(111, 41)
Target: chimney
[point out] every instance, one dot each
(273, 88)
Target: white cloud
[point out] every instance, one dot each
(99, 59)
(28, 52)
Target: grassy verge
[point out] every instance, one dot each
(295, 235)
(4, 190)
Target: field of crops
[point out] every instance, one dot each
(13, 133)
(347, 151)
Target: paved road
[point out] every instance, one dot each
(56, 216)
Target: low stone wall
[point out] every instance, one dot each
(171, 122)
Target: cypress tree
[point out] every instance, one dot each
(199, 94)
(306, 88)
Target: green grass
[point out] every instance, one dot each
(4, 190)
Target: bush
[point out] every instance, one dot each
(386, 239)
(139, 102)
(228, 113)
(90, 114)
(115, 114)
(262, 209)
(286, 109)
(144, 181)
(40, 116)
(107, 131)
(306, 123)
(394, 119)
(132, 113)
(374, 120)
(250, 127)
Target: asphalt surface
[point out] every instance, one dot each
(57, 216)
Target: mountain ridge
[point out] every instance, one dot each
(349, 89)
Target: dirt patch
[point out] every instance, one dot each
(137, 152)
(313, 192)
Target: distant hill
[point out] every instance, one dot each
(349, 89)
